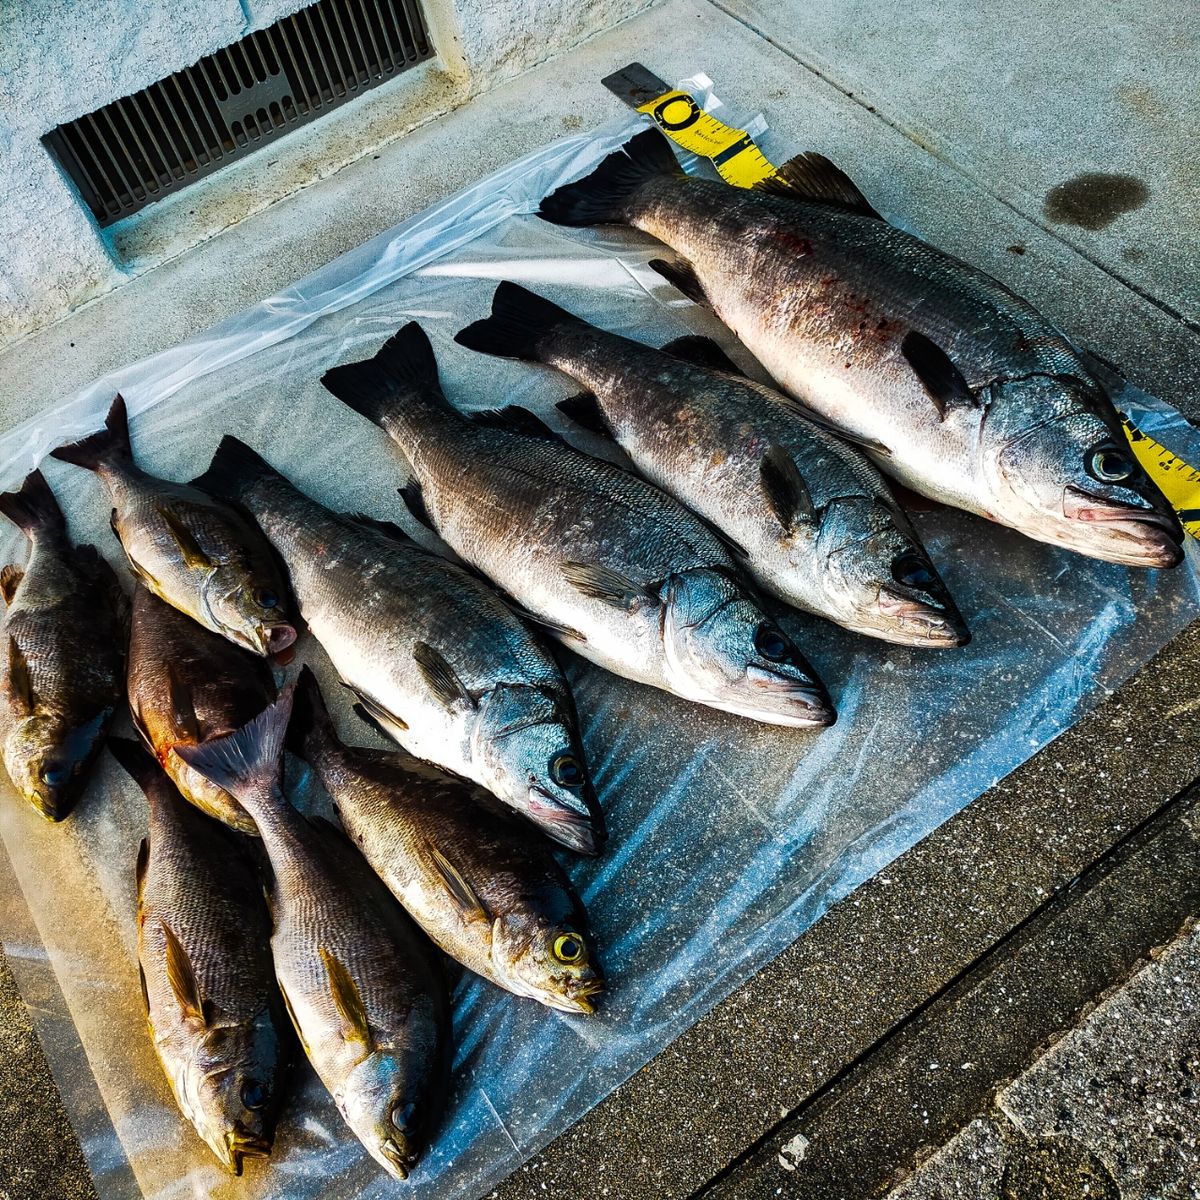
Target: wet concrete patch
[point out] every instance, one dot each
(1094, 200)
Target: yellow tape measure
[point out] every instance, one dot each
(1178, 481)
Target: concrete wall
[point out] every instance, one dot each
(60, 59)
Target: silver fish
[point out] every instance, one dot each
(620, 571)
(363, 986)
(951, 383)
(815, 522)
(438, 660)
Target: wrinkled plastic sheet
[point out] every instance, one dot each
(728, 838)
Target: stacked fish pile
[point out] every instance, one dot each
(749, 502)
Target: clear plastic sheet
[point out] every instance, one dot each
(728, 838)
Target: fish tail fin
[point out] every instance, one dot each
(246, 763)
(602, 197)
(32, 506)
(235, 467)
(403, 371)
(104, 445)
(141, 766)
(519, 323)
(311, 729)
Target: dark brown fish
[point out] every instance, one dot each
(186, 686)
(62, 671)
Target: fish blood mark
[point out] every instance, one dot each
(1094, 200)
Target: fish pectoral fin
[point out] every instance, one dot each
(20, 684)
(460, 890)
(441, 677)
(702, 352)
(813, 178)
(938, 375)
(347, 999)
(183, 708)
(10, 580)
(414, 501)
(605, 584)
(515, 419)
(584, 410)
(181, 977)
(682, 276)
(787, 493)
(143, 859)
(375, 713)
(387, 528)
(194, 557)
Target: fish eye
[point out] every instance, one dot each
(265, 598)
(771, 643)
(1109, 464)
(54, 774)
(912, 570)
(254, 1093)
(569, 948)
(566, 770)
(402, 1117)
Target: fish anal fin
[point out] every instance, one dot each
(181, 977)
(346, 999)
(583, 409)
(702, 352)
(813, 178)
(291, 1012)
(682, 276)
(604, 584)
(938, 375)
(441, 677)
(194, 557)
(10, 580)
(456, 884)
(145, 989)
(787, 493)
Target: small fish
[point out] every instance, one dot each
(205, 960)
(618, 570)
(63, 666)
(950, 382)
(193, 551)
(187, 685)
(363, 985)
(816, 523)
(435, 657)
(489, 894)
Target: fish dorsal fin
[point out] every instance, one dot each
(10, 580)
(194, 557)
(346, 999)
(181, 977)
(414, 501)
(702, 352)
(682, 276)
(441, 677)
(183, 707)
(19, 682)
(585, 411)
(938, 375)
(787, 493)
(143, 861)
(461, 891)
(387, 528)
(515, 419)
(379, 716)
(605, 584)
(813, 178)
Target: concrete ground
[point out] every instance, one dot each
(979, 1019)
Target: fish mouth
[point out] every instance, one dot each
(581, 998)
(400, 1160)
(1122, 534)
(51, 808)
(240, 1144)
(782, 700)
(276, 640)
(575, 830)
(910, 622)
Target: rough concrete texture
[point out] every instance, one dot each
(1113, 1106)
(1024, 99)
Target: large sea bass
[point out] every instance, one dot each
(195, 552)
(814, 521)
(621, 571)
(62, 670)
(433, 653)
(366, 990)
(205, 959)
(953, 384)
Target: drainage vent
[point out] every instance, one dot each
(138, 149)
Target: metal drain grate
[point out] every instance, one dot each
(139, 148)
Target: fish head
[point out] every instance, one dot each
(1063, 472)
(552, 961)
(721, 649)
(249, 607)
(529, 754)
(228, 1089)
(880, 580)
(48, 755)
(389, 1108)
